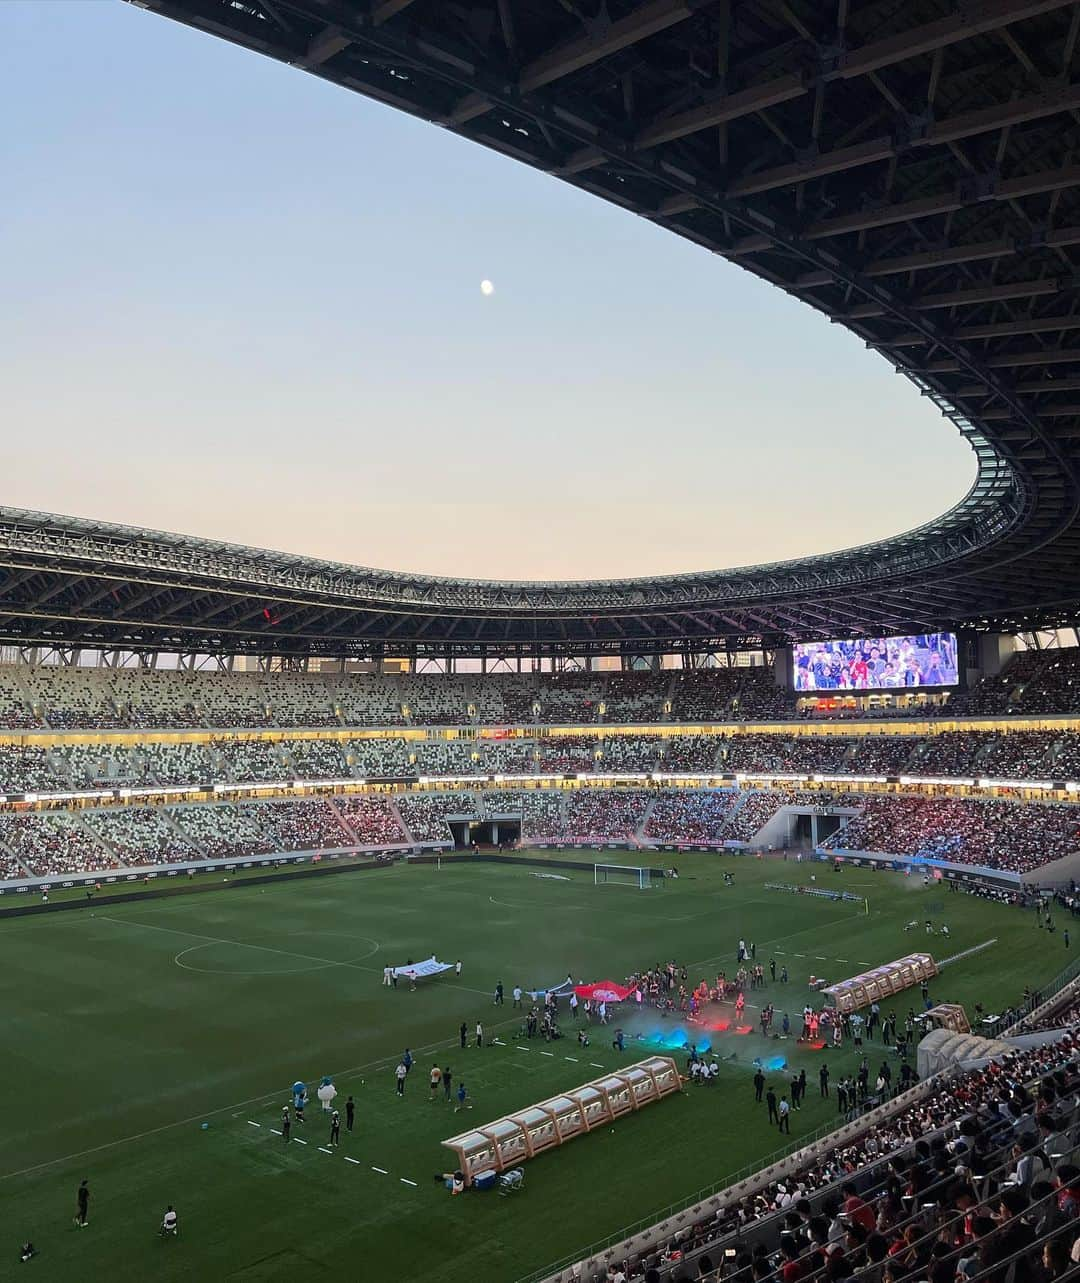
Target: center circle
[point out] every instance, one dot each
(263, 960)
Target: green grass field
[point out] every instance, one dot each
(126, 1026)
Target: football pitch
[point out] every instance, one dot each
(127, 1026)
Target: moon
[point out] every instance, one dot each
(486, 288)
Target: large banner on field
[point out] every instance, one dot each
(422, 970)
(603, 991)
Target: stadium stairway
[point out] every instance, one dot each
(14, 856)
(397, 815)
(172, 823)
(96, 839)
(332, 804)
(639, 832)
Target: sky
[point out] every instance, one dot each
(244, 304)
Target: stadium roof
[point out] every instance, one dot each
(907, 167)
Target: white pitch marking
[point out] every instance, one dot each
(573, 1059)
(524, 1049)
(841, 960)
(251, 1124)
(275, 1131)
(324, 1150)
(817, 959)
(547, 1053)
(799, 955)
(213, 1113)
(300, 1142)
(352, 1160)
(381, 1170)
(595, 1065)
(405, 1182)
(782, 952)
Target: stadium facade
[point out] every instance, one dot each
(910, 173)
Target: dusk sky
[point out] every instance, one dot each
(244, 304)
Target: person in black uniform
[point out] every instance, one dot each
(82, 1202)
(770, 1100)
(823, 1079)
(463, 1032)
(335, 1128)
(350, 1113)
(286, 1123)
(759, 1085)
(447, 1081)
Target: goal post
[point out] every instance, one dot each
(626, 875)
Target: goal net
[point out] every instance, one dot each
(624, 875)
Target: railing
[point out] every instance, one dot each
(1044, 996)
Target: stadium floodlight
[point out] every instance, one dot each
(625, 875)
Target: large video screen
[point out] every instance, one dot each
(876, 663)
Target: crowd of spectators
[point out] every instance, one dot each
(425, 814)
(304, 826)
(688, 817)
(316, 759)
(26, 769)
(605, 815)
(541, 813)
(140, 835)
(53, 844)
(372, 821)
(1011, 836)
(223, 831)
(1040, 755)
(754, 811)
(957, 1185)
(1033, 682)
(74, 698)
(16, 705)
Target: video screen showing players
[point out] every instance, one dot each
(876, 663)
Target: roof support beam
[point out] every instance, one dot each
(1014, 360)
(384, 10)
(1032, 387)
(567, 58)
(970, 20)
(1001, 329)
(967, 124)
(323, 47)
(1049, 412)
(647, 20)
(967, 298)
(906, 211)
